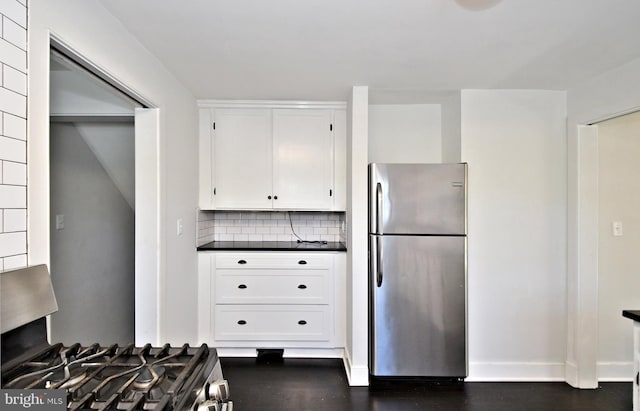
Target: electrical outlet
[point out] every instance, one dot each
(179, 226)
(616, 228)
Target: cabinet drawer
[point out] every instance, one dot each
(272, 287)
(272, 323)
(292, 260)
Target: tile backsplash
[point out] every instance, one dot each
(270, 226)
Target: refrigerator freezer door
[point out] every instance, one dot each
(418, 310)
(417, 199)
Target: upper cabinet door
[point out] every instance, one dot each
(303, 159)
(242, 143)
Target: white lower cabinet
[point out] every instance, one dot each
(291, 300)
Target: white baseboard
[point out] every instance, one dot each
(288, 352)
(357, 376)
(515, 371)
(615, 371)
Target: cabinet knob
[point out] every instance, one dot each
(275, 197)
(242, 322)
(242, 286)
(242, 262)
(302, 262)
(268, 197)
(302, 286)
(302, 322)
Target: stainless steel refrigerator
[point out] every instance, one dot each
(418, 270)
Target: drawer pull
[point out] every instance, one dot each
(302, 286)
(302, 262)
(242, 322)
(302, 322)
(242, 286)
(242, 262)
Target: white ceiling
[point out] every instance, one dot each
(318, 50)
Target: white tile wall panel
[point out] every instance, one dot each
(16, 261)
(14, 220)
(271, 226)
(15, 10)
(14, 33)
(13, 197)
(12, 102)
(14, 80)
(12, 149)
(13, 244)
(13, 56)
(14, 173)
(14, 126)
(2, 230)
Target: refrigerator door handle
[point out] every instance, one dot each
(378, 208)
(378, 262)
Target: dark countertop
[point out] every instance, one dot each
(632, 314)
(271, 246)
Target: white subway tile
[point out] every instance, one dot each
(15, 80)
(333, 230)
(15, 11)
(241, 237)
(270, 237)
(13, 243)
(12, 102)
(319, 230)
(240, 223)
(13, 196)
(276, 230)
(263, 230)
(14, 33)
(255, 237)
(234, 230)
(284, 237)
(226, 237)
(15, 127)
(326, 223)
(13, 56)
(13, 150)
(248, 230)
(313, 223)
(15, 261)
(15, 220)
(14, 173)
(248, 216)
(327, 238)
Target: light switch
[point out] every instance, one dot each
(59, 221)
(616, 228)
(179, 227)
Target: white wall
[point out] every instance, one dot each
(614, 92)
(93, 33)
(405, 133)
(514, 142)
(618, 262)
(13, 135)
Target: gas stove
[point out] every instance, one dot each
(99, 377)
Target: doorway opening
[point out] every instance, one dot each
(104, 228)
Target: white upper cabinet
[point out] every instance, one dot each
(303, 159)
(242, 161)
(254, 156)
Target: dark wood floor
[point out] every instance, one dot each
(320, 384)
